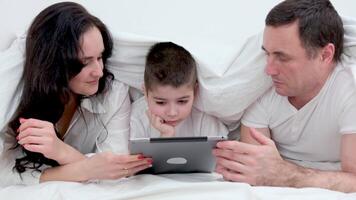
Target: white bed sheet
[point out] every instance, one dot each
(169, 187)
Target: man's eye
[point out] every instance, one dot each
(283, 58)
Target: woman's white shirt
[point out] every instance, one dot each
(100, 124)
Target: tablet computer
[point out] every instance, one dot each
(177, 154)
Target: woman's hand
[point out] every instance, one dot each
(39, 136)
(158, 123)
(109, 166)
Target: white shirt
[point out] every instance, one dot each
(310, 136)
(196, 124)
(102, 126)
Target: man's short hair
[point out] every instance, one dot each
(169, 64)
(318, 21)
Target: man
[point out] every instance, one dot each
(301, 133)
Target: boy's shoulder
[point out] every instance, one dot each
(139, 106)
(203, 116)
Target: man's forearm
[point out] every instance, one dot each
(297, 176)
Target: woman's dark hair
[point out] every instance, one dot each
(52, 59)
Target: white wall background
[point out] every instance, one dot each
(192, 19)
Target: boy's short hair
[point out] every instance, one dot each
(169, 64)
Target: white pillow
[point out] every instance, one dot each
(11, 67)
(228, 82)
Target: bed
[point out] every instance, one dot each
(222, 35)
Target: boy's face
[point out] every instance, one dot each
(171, 104)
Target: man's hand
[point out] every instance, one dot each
(259, 164)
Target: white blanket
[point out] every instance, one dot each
(169, 187)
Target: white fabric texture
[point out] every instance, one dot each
(226, 88)
(196, 124)
(11, 67)
(322, 121)
(102, 126)
(168, 187)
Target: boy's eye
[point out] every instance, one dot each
(183, 101)
(160, 102)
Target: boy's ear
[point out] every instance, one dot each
(196, 88)
(144, 89)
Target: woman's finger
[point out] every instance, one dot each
(34, 147)
(32, 132)
(34, 123)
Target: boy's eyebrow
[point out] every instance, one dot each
(159, 98)
(184, 97)
(163, 99)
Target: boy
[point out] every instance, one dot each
(170, 86)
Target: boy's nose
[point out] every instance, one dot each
(172, 111)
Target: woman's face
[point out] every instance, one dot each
(87, 81)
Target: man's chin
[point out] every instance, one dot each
(281, 92)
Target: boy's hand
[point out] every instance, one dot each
(159, 124)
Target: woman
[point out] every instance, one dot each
(70, 105)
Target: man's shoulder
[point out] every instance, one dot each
(343, 85)
(270, 97)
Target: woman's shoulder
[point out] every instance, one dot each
(114, 97)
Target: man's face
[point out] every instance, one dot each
(294, 73)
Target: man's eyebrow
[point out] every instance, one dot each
(278, 53)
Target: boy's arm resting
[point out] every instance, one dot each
(266, 166)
